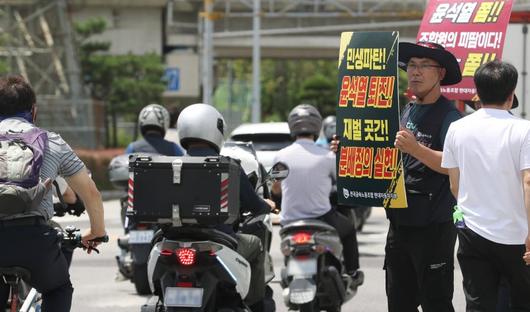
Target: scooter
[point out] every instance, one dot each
(135, 245)
(314, 278)
(199, 269)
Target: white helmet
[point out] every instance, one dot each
(153, 116)
(201, 122)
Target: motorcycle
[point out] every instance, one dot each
(314, 278)
(203, 263)
(135, 245)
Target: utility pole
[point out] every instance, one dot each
(207, 53)
(256, 59)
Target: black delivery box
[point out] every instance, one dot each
(184, 190)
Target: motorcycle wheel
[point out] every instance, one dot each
(140, 279)
(309, 307)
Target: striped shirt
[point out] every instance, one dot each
(59, 159)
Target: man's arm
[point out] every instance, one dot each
(83, 185)
(526, 189)
(250, 201)
(407, 143)
(454, 179)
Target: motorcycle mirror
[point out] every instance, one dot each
(279, 171)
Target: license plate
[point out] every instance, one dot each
(183, 297)
(306, 267)
(141, 237)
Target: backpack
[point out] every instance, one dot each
(21, 157)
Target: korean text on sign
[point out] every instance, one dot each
(362, 91)
(359, 162)
(466, 12)
(366, 58)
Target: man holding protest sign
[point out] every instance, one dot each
(419, 251)
(421, 238)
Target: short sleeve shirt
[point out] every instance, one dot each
(306, 190)
(490, 148)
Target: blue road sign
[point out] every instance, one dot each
(173, 78)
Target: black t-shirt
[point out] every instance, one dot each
(428, 194)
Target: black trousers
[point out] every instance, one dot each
(483, 263)
(36, 248)
(348, 237)
(419, 264)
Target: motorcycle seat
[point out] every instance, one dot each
(15, 272)
(306, 224)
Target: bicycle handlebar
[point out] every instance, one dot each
(71, 237)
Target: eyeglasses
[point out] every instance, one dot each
(421, 67)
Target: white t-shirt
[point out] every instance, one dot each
(306, 190)
(491, 148)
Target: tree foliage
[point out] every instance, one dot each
(126, 83)
(284, 84)
(321, 92)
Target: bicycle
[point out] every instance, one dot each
(16, 277)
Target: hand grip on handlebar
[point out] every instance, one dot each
(101, 239)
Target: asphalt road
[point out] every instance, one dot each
(97, 290)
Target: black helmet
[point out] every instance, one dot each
(304, 119)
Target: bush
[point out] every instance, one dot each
(97, 161)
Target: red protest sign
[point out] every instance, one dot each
(473, 30)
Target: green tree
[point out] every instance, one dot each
(95, 75)
(125, 83)
(137, 82)
(321, 92)
(284, 84)
(287, 83)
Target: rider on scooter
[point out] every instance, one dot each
(154, 122)
(308, 198)
(201, 129)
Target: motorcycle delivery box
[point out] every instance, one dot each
(183, 190)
